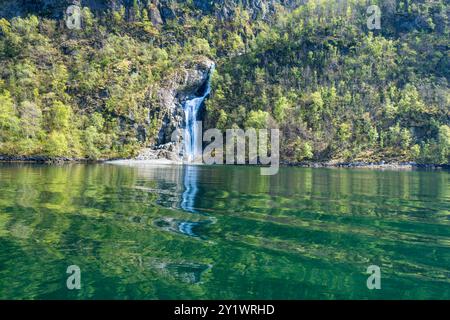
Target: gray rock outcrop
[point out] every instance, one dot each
(171, 96)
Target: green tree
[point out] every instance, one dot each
(60, 116)
(56, 145)
(444, 144)
(303, 150)
(9, 124)
(279, 111)
(257, 119)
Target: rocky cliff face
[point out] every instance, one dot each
(225, 9)
(257, 8)
(160, 10)
(47, 8)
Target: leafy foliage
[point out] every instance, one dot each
(337, 90)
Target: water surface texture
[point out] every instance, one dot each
(199, 232)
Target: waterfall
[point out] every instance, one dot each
(193, 134)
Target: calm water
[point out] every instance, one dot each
(222, 232)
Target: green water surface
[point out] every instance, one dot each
(199, 232)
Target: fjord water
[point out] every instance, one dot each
(199, 232)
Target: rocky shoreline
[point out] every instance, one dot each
(154, 156)
(369, 165)
(45, 160)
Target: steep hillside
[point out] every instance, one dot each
(337, 90)
(341, 92)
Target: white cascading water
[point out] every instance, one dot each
(193, 139)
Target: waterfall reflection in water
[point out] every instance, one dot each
(169, 179)
(191, 188)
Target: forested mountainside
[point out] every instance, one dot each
(337, 90)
